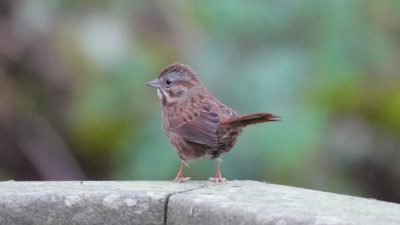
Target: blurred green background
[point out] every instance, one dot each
(74, 104)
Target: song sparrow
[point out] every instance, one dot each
(197, 124)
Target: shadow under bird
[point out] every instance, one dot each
(197, 124)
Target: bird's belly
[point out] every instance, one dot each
(189, 150)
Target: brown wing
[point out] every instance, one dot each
(199, 127)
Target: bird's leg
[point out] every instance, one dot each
(179, 177)
(218, 176)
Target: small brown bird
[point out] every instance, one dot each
(197, 124)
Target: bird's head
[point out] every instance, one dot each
(175, 83)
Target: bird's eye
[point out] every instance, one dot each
(168, 82)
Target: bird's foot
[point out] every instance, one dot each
(181, 179)
(216, 179)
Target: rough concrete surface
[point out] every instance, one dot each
(233, 202)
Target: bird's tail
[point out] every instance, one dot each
(251, 119)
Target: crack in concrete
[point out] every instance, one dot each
(178, 192)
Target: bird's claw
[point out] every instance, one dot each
(216, 179)
(182, 179)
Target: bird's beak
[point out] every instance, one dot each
(154, 83)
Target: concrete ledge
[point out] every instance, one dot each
(234, 202)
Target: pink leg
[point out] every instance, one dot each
(179, 177)
(218, 176)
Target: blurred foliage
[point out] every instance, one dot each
(74, 105)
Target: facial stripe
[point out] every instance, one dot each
(166, 99)
(162, 96)
(159, 93)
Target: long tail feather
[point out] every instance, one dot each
(251, 119)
